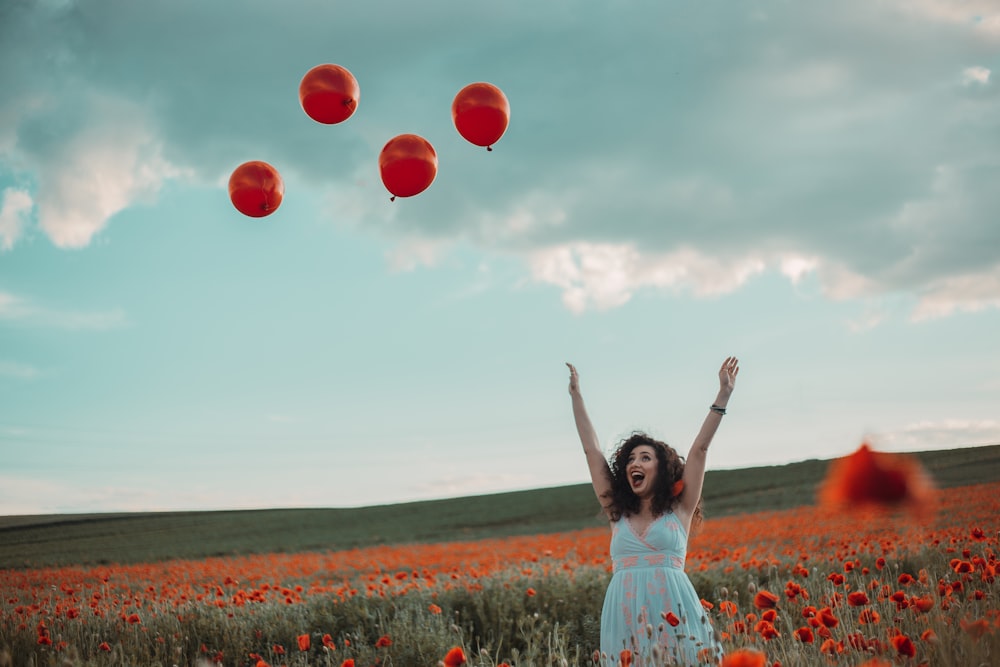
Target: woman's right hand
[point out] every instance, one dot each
(574, 380)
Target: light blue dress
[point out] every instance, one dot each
(649, 581)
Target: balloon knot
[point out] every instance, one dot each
(489, 148)
(392, 198)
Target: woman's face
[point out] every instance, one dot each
(640, 469)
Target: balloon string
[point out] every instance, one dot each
(392, 198)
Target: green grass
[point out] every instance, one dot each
(89, 539)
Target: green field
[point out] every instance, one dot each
(87, 539)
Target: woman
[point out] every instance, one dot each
(652, 496)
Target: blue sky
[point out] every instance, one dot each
(812, 187)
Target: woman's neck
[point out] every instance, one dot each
(646, 507)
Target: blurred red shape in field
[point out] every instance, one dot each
(745, 658)
(879, 479)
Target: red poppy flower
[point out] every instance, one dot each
(455, 657)
(348, 663)
(766, 630)
(857, 599)
(383, 641)
(328, 642)
(804, 635)
(625, 658)
(904, 646)
(877, 478)
(671, 618)
(765, 600)
(304, 642)
(434, 609)
(829, 647)
(868, 616)
(961, 566)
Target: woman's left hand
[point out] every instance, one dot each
(727, 375)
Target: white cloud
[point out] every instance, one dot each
(529, 214)
(967, 293)
(413, 253)
(975, 75)
(110, 163)
(605, 275)
(980, 16)
(17, 310)
(943, 434)
(588, 274)
(15, 207)
(795, 267)
(840, 283)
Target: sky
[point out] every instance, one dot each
(812, 187)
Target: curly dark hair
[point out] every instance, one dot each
(670, 469)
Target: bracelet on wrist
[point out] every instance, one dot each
(717, 409)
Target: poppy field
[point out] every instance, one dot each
(803, 586)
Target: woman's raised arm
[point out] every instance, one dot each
(600, 473)
(694, 466)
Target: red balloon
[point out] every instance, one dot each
(408, 165)
(256, 189)
(329, 94)
(481, 113)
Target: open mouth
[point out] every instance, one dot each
(637, 478)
